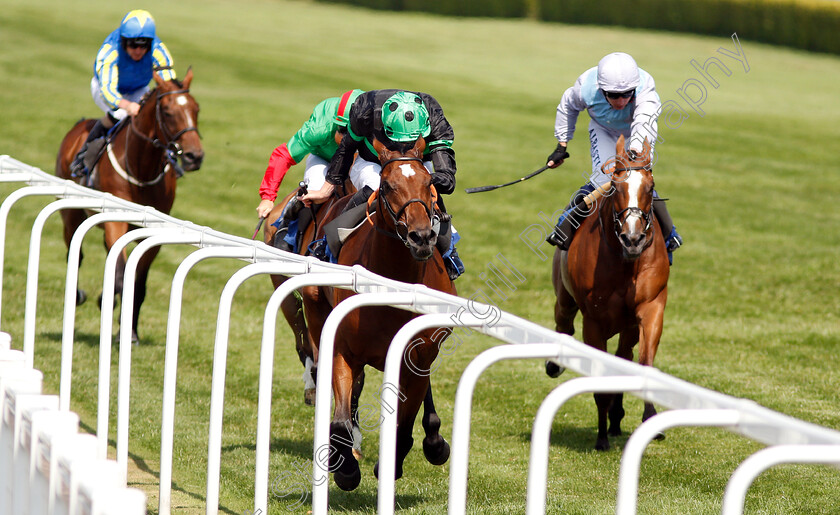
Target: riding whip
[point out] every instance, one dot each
(259, 224)
(490, 188)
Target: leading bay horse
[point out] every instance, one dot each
(138, 166)
(397, 242)
(616, 273)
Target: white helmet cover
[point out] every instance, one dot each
(618, 72)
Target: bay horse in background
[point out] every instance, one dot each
(397, 242)
(292, 305)
(138, 166)
(616, 273)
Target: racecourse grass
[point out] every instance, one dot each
(753, 305)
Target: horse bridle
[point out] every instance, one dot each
(172, 149)
(646, 216)
(397, 215)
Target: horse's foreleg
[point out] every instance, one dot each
(651, 316)
(292, 307)
(342, 462)
(628, 338)
(414, 389)
(113, 232)
(72, 219)
(435, 448)
(142, 274)
(358, 386)
(593, 337)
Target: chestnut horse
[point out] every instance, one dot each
(398, 243)
(138, 166)
(616, 273)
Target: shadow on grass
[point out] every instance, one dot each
(579, 439)
(141, 465)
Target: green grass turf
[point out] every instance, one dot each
(753, 307)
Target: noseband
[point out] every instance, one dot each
(397, 215)
(625, 213)
(170, 144)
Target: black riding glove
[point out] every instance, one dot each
(558, 155)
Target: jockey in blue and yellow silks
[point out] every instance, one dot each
(122, 72)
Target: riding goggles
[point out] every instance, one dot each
(614, 95)
(138, 42)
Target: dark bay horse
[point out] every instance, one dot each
(398, 243)
(616, 273)
(138, 166)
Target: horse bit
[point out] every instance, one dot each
(646, 216)
(172, 148)
(395, 216)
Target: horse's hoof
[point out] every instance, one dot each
(614, 431)
(602, 445)
(659, 436)
(309, 396)
(397, 474)
(553, 369)
(135, 340)
(348, 482)
(436, 450)
(81, 297)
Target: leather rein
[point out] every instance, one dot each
(172, 149)
(397, 215)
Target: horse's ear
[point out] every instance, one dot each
(381, 151)
(158, 79)
(188, 78)
(619, 148)
(647, 152)
(419, 146)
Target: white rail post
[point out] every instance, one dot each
(6, 207)
(34, 259)
(105, 336)
(164, 237)
(631, 458)
(389, 399)
(323, 387)
(750, 468)
(295, 266)
(170, 364)
(459, 461)
(70, 287)
(541, 435)
(338, 279)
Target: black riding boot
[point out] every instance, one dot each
(290, 212)
(359, 198)
(570, 220)
(673, 240)
(99, 130)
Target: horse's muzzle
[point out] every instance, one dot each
(421, 243)
(632, 245)
(191, 161)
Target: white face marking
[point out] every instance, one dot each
(634, 184)
(182, 101)
(407, 170)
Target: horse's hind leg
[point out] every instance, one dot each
(72, 219)
(435, 448)
(415, 389)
